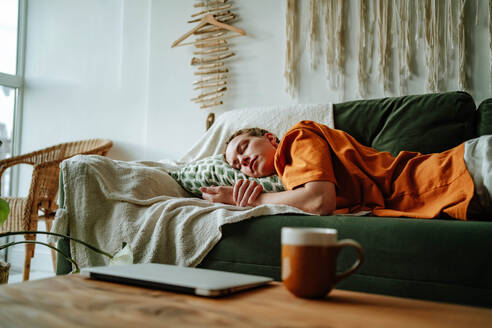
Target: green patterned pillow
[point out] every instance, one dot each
(214, 171)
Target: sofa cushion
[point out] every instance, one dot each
(424, 123)
(484, 125)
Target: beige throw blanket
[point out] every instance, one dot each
(108, 202)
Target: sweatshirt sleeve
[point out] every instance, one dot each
(303, 156)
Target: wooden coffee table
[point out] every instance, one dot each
(75, 301)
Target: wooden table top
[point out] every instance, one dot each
(76, 301)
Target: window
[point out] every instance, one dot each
(12, 35)
(7, 105)
(8, 35)
(12, 14)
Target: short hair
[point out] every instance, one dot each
(254, 132)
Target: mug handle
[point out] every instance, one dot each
(356, 245)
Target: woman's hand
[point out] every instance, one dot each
(245, 192)
(218, 194)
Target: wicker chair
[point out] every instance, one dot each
(40, 203)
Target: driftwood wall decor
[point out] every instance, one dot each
(391, 34)
(213, 29)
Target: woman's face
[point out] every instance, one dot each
(254, 156)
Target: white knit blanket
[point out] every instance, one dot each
(108, 202)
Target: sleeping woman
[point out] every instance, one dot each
(326, 171)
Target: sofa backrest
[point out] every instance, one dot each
(484, 125)
(426, 123)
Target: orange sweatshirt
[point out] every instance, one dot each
(410, 184)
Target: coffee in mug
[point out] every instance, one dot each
(309, 258)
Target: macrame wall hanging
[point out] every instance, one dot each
(400, 28)
(490, 40)
(290, 54)
(213, 28)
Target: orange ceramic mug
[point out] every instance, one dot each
(309, 258)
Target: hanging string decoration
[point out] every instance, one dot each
(329, 13)
(313, 32)
(384, 24)
(448, 36)
(366, 46)
(290, 53)
(335, 41)
(431, 45)
(490, 41)
(340, 43)
(462, 81)
(404, 42)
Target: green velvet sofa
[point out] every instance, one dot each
(440, 259)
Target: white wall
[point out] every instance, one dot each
(105, 69)
(87, 73)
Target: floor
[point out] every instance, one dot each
(16, 276)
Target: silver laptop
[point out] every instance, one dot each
(201, 282)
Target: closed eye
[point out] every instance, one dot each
(240, 150)
(244, 145)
